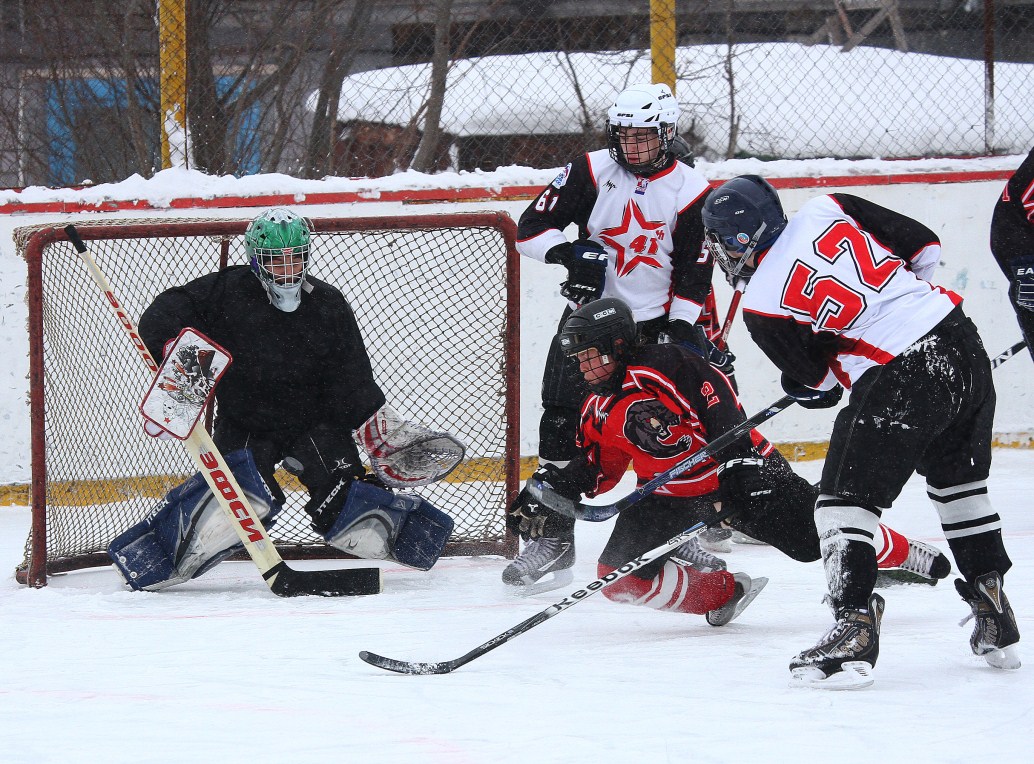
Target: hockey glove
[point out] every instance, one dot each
(532, 519)
(586, 263)
(1023, 278)
(742, 483)
(693, 337)
(809, 397)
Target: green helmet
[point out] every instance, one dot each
(272, 240)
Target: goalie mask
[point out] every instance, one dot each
(652, 113)
(607, 327)
(741, 217)
(277, 243)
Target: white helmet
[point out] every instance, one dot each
(643, 106)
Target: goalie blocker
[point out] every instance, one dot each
(187, 533)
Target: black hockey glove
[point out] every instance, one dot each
(693, 337)
(809, 397)
(743, 483)
(1023, 277)
(586, 263)
(530, 517)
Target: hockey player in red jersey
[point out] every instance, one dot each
(1012, 244)
(838, 297)
(652, 406)
(637, 209)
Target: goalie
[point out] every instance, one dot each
(299, 385)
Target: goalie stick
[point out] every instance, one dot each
(282, 580)
(598, 512)
(445, 667)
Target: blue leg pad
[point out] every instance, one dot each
(186, 534)
(376, 524)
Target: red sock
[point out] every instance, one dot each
(895, 548)
(677, 587)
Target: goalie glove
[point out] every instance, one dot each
(406, 454)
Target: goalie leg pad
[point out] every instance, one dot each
(376, 524)
(187, 534)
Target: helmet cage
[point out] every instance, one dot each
(290, 236)
(643, 106)
(741, 217)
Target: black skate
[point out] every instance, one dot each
(693, 554)
(843, 659)
(995, 632)
(925, 564)
(541, 557)
(747, 589)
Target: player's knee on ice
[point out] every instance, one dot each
(187, 533)
(376, 524)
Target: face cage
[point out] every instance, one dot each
(665, 135)
(721, 249)
(261, 256)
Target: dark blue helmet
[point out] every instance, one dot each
(741, 216)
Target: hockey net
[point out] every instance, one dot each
(436, 297)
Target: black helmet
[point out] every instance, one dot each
(740, 217)
(607, 325)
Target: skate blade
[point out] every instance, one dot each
(551, 581)
(743, 538)
(1008, 658)
(756, 585)
(853, 675)
(890, 577)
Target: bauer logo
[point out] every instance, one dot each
(604, 313)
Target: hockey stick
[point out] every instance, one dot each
(444, 667)
(598, 512)
(1005, 355)
(281, 580)
(734, 304)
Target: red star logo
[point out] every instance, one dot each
(634, 244)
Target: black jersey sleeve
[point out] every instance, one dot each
(1012, 225)
(568, 199)
(803, 355)
(177, 308)
(353, 393)
(901, 234)
(692, 268)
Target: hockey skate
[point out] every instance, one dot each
(995, 632)
(716, 540)
(843, 659)
(542, 557)
(693, 554)
(925, 564)
(747, 589)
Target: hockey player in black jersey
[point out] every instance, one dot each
(637, 211)
(838, 297)
(299, 384)
(1012, 244)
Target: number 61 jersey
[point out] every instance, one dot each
(843, 289)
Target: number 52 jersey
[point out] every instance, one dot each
(844, 289)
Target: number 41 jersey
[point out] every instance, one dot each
(843, 289)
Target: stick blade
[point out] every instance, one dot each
(287, 582)
(406, 667)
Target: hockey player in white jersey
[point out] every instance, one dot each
(839, 297)
(637, 209)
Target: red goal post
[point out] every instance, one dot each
(437, 300)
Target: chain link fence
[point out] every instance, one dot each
(97, 90)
